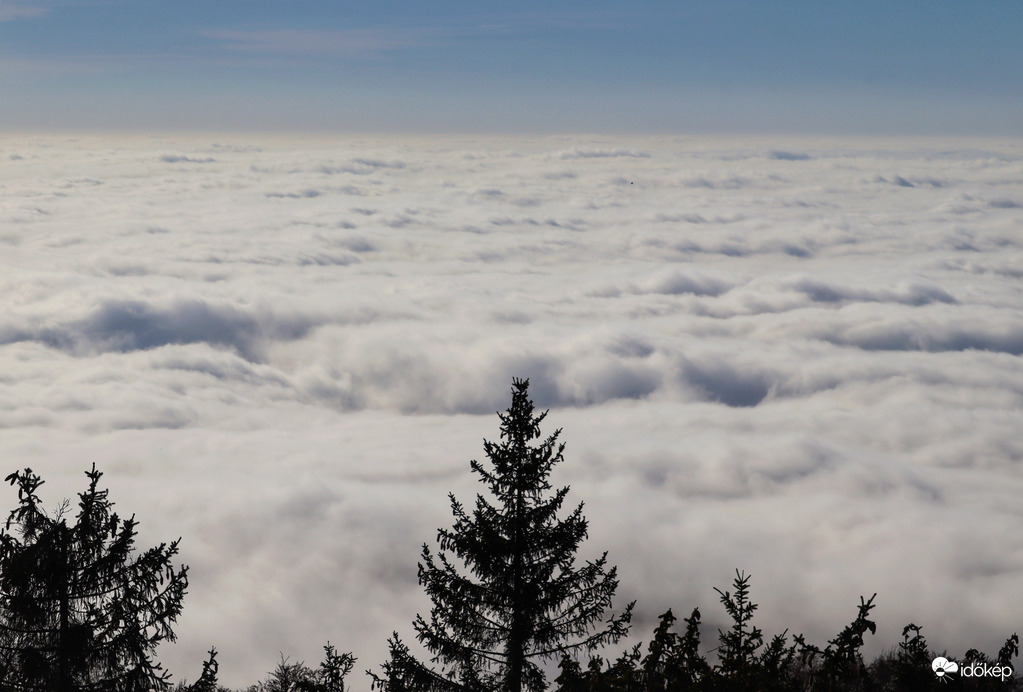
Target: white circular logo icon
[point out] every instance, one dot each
(942, 666)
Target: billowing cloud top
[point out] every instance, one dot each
(797, 358)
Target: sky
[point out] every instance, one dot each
(797, 357)
(931, 67)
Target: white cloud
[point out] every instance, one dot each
(764, 355)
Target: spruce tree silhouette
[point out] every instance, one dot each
(298, 677)
(207, 682)
(519, 598)
(738, 646)
(79, 610)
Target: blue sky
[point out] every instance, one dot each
(727, 66)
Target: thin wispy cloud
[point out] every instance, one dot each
(518, 67)
(13, 11)
(361, 43)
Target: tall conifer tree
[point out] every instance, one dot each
(79, 609)
(517, 598)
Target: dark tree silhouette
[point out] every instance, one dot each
(744, 662)
(520, 599)
(334, 668)
(298, 677)
(838, 666)
(286, 677)
(207, 681)
(79, 609)
(738, 645)
(674, 662)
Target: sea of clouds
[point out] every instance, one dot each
(798, 358)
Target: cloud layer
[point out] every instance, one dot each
(796, 358)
